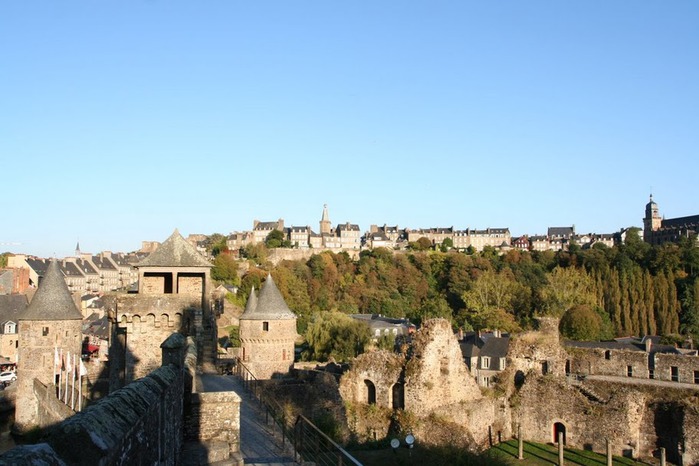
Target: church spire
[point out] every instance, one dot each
(325, 221)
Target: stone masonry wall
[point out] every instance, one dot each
(214, 417)
(139, 323)
(138, 424)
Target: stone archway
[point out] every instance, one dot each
(559, 427)
(370, 392)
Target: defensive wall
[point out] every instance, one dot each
(141, 423)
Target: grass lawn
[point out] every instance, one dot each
(540, 454)
(503, 454)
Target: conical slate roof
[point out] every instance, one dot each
(270, 305)
(175, 252)
(52, 300)
(251, 304)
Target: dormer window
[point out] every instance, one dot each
(485, 362)
(10, 327)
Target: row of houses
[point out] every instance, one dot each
(89, 273)
(348, 236)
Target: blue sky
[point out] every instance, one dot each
(121, 121)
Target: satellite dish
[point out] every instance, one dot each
(395, 443)
(409, 439)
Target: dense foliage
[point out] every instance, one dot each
(631, 289)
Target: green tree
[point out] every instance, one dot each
(566, 288)
(275, 239)
(335, 335)
(581, 323)
(215, 244)
(225, 269)
(3, 259)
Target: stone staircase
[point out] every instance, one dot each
(587, 391)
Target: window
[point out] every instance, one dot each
(629, 371)
(502, 363)
(607, 355)
(675, 373)
(45, 331)
(265, 326)
(696, 376)
(485, 362)
(651, 374)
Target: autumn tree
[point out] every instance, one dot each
(225, 269)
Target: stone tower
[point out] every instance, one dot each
(325, 225)
(51, 322)
(652, 221)
(267, 333)
(173, 296)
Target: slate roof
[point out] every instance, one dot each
(175, 252)
(11, 307)
(627, 344)
(270, 305)
(103, 263)
(561, 232)
(52, 300)
(38, 265)
(679, 222)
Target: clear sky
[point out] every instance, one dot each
(121, 121)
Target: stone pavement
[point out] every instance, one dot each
(260, 441)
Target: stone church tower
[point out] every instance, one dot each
(652, 221)
(325, 225)
(51, 322)
(267, 333)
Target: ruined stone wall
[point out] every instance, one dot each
(382, 369)
(687, 367)
(596, 361)
(435, 373)
(278, 255)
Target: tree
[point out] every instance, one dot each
(447, 244)
(422, 244)
(215, 244)
(581, 323)
(565, 289)
(275, 239)
(336, 335)
(225, 269)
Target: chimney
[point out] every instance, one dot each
(461, 334)
(648, 343)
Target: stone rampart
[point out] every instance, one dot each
(141, 423)
(214, 418)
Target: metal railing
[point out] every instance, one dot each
(309, 442)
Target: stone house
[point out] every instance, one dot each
(349, 236)
(382, 326)
(11, 308)
(107, 272)
(435, 235)
(521, 243)
(485, 354)
(14, 280)
(644, 358)
(299, 237)
(267, 333)
(238, 240)
(260, 230)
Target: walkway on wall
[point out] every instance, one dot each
(260, 442)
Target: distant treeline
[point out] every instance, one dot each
(601, 292)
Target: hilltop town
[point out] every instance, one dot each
(451, 337)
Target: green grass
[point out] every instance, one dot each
(503, 454)
(536, 454)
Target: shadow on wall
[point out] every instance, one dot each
(141, 423)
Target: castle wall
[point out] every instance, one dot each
(214, 417)
(139, 323)
(596, 361)
(687, 368)
(138, 424)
